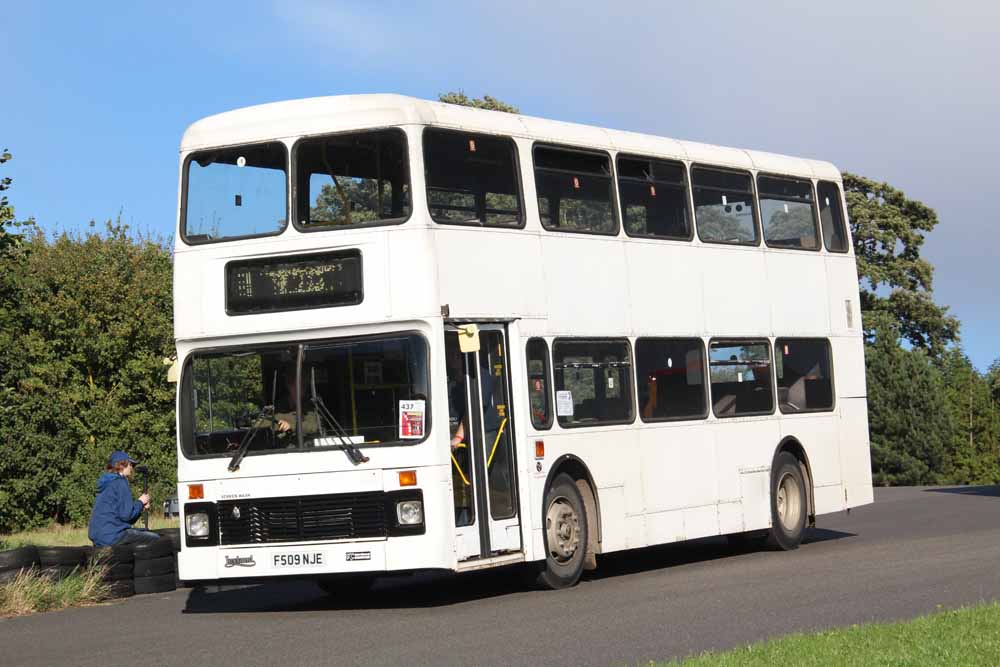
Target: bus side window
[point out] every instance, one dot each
(832, 216)
(539, 383)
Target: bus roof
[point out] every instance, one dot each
(321, 115)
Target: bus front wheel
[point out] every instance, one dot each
(565, 534)
(788, 503)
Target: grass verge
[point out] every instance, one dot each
(32, 591)
(967, 636)
(68, 536)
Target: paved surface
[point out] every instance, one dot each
(912, 551)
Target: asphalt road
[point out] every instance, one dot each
(913, 551)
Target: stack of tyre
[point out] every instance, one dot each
(118, 564)
(129, 569)
(12, 562)
(155, 569)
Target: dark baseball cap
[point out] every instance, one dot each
(119, 455)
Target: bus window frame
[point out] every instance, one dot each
(736, 340)
(688, 196)
(294, 179)
(705, 385)
(549, 382)
(185, 173)
(632, 393)
(612, 176)
(845, 225)
(519, 181)
(829, 360)
(814, 205)
(758, 230)
(301, 346)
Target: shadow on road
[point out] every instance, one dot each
(435, 589)
(993, 491)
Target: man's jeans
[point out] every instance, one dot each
(137, 536)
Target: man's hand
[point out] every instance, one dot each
(144, 499)
(283, 426)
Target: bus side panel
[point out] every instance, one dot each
(735, 286)
(819, 434)
(855, 452)
(664, 275)
(744, 448)
(592, 267)
(842, 292)
(796, 283)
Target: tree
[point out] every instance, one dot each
(888, 234)
(974, 449)
(484, 102)
(7, 238)
(84, 327)
(911, 427)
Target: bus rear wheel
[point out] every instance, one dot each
(565, 534)
(788, 503)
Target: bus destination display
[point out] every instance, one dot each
(294, 283)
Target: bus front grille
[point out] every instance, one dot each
(302, 518)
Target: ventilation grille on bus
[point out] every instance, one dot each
(302, 518)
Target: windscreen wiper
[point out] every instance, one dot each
(324, 414)
(248, 437)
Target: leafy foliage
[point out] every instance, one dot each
(888, 232)
(85, 323)
(485, 102)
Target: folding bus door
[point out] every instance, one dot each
(482, 445)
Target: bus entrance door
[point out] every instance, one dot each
(482, 445)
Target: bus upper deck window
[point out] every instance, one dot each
(723, 206)
(653, 196)
(787, 213)
(574, 190)
(235, 193)
(352, 180)
(832, 216)
(472, 179)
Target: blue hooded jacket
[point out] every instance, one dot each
(114, 510)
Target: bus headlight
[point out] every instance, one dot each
(197, 524)
(410, 512)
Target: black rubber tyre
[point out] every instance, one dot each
(158, 549)
(154, 567)
(564, 534)
(11, 575)
(59, 572)
(15, 559)
(116, 555)
(121, 589)
(172, 534)
(119, 572)
(788, 503)
(160, 583)
(346, 586)
(51, 556)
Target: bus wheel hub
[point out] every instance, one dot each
(562, 526)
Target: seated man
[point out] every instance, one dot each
(114, 510)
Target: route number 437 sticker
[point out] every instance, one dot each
(411, 420)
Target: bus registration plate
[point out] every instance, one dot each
(297, 560)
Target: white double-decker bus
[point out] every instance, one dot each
(416, 336)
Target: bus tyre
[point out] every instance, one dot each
(788, 503)
(160, 583)
(565, 534)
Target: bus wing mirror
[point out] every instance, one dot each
(174, 372)
(468, 338)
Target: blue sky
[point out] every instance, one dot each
(906, 92)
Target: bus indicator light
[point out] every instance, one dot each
(407, 477)
(539, 449)
(196, 491)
